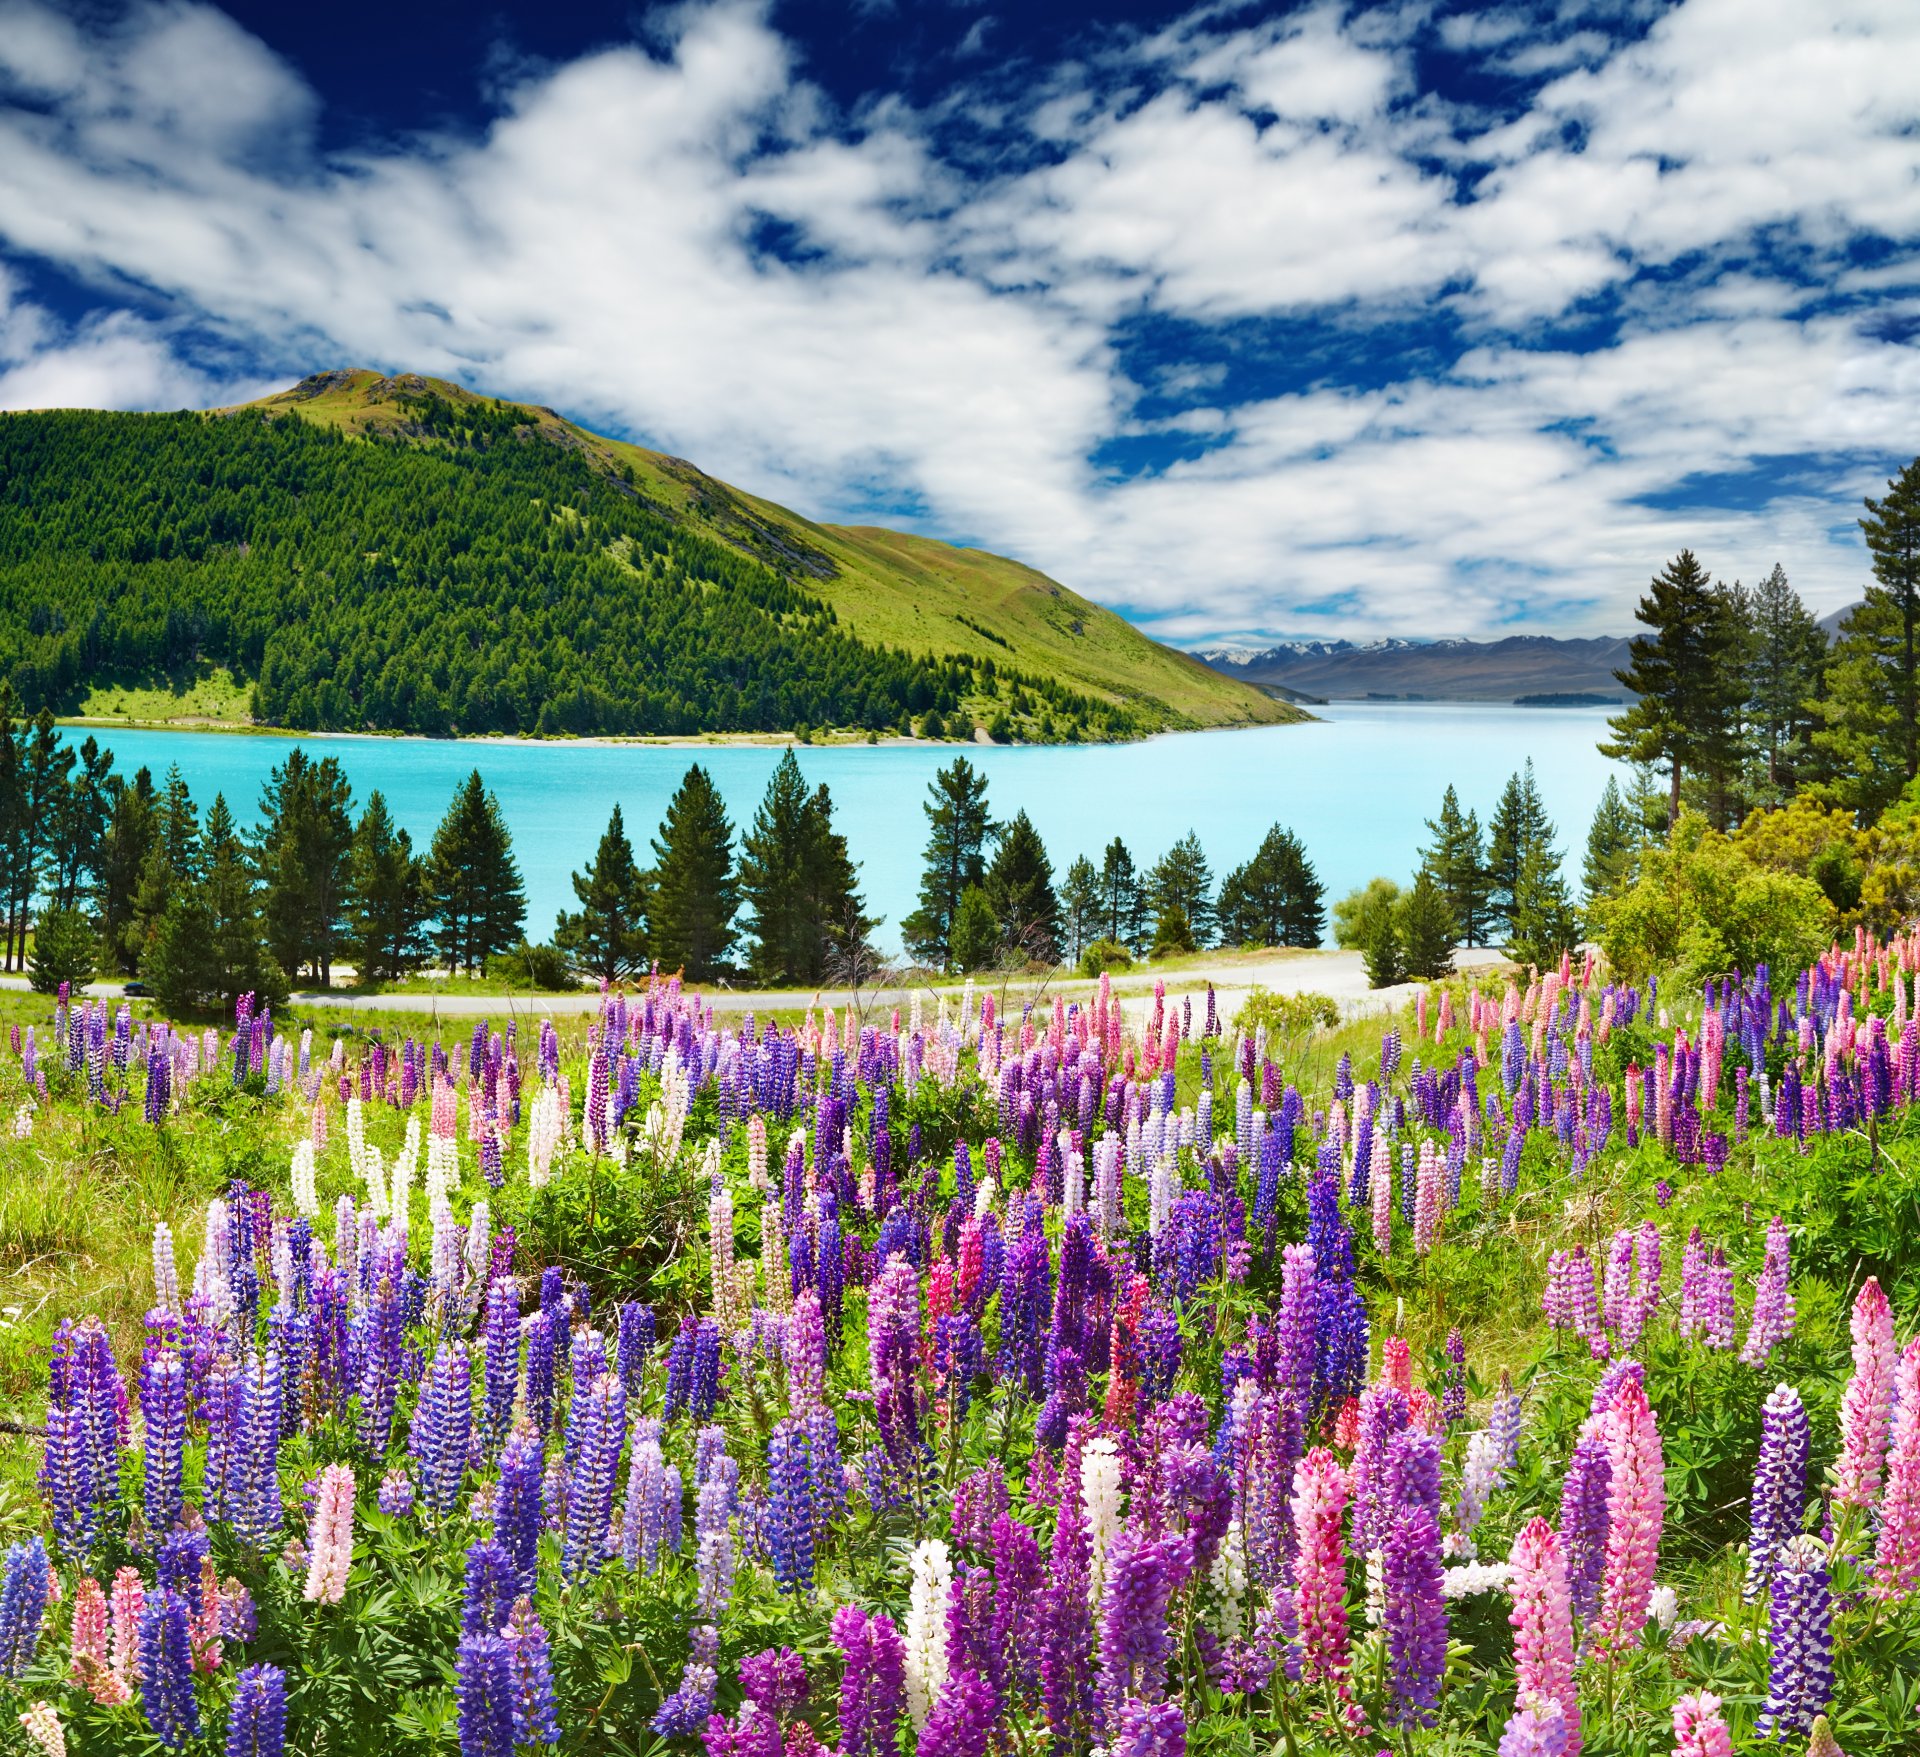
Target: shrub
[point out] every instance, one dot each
(1103, 955)
(1287, 1015)
(64, 950)
(530, 966)
(1355, 915)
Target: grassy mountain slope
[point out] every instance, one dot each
(885, 587)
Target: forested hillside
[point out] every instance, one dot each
(448, 564)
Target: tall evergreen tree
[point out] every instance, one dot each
(477, 894)
(1457, 858)
(799, 883)
(1613, 840)
(1784, 678)
(83, 809)
(390, 899)
(1274, 899)
(131, 829)
(1686, 676)
(695, 891)
(1080, 907)
(1872, 706)
(1182, 879)
(33, 824)
(976, 931)
(1019, 890)
(1544, 923)
(1519, 824)
(960, 828)
(172, 863)
(303, 855)
(206, 949)
(1427, 927)
(607, 935)
(1123, 904)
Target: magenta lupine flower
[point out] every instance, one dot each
(962, 1721)
(1896, 1561)
(1778, 1507)
(1800, 1679)
(1866, 1409)
(1636, 1506)
(1698, 1729)
(873, 1688)
(1543, 1626)
(1772, 1320)
(1320, 1493)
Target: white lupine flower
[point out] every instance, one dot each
(926, 1632)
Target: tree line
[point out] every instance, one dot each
(469, 577)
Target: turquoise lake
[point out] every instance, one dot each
(1355, 786)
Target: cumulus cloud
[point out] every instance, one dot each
(1650, 266)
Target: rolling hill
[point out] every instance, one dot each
(398, 553)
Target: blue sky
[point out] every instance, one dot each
(1254, 322)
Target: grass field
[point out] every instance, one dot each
(209, 695)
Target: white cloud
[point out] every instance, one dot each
(953, 343)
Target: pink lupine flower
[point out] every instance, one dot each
(1543, 1624)
(128, 1600)
(89, 1664)
(1396, 1363)
(330, 1537)
(1698, 1730)
(1636, 1505)
(1866, 1410)
(1320, 1491)
(1896, 1563)
(1380, 1189)
(1426, 1206)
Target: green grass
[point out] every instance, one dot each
(208, 694)
(889, 588)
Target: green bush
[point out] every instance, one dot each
(1287, 1015)
(1103, 955)
(64, 950)
(1357, 915)
(530, 966)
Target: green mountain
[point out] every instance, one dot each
(369, 553)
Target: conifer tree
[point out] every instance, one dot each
(477, 894)
(132, 826)
(1544, 923)
(1019, 891)
(1519, 823)
(1122, 902)
(389, 898)
(205, 950)
(1427, 928)
(1612, 842)
(695, 891)
(1784, 679)
(799, 884)
(172, 863)
(976, 931)
(1274, 899)
(959, 830)
(607, 935)
(1686, 676)
(303, 856)
(1080, 907)
(1181, 880)
(1457, 858)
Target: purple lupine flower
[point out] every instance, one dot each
(603, 1425)
(634, 1344)
(530, 1664)
(1415, 1615)
(776, 1678)
(1536, 1729)
(166, 1669)
(257, 1721)
(254, 1489)
(1800, 1682)
(442, 1435)
(1453, 1396)
(542, 1334)
(1778, 1507)
(1151, 1729)
(1584, 1517)
(873, 1689)
(484, 1690)
(1773, 1309)
(516, 1504)
(790, 1513)
(685, 1712)
(163, 1403)
(961, 1724)
(382, 1325)
(492, 1586)
(23, 1605)
(1383, 1414)
(500, 1361)
(1142, 1575)
(396, 1493)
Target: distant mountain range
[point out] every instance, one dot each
(1515, 668)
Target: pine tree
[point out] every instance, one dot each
(1122, 902)
(1182, 879)
(1872, 706)
(1173, 934)
(695, 892)
(132, 827)
(1381, 951)
(1274, 899)
(65, 949)
(172, 865)
(1427, 927)
(607, 935)
(976, 930)
(84, 808)
(477, 895)
(1686, 676)
(1457, 859)
(303, 857)
(1019, 890)
(1784, 678)
(1519, 823)
(1544, 922)
(1613, 841)
(960, 828)
(1080, 907)
(205, 949)
(799, 884)
(389, 898)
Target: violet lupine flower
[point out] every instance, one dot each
(790, 1513)
(1320, 1491)
(1414, 1614)
(873, 1691)
(1141, 1576)
(1583, 1518)
(776, 1678)
(1773, 1311)
(490, 1589)
(257, 1721)
(1778, 1508)
(962, 1721)
(530, 1665)
(542, 1334)
(1150, 1729)
(1698, 1729)
(1800, 1681)
(166, 1669)
(1537, 1728)
(442, 1435)
(1636, 1507)
(383, 1325)
(1543, 1626)
(23, 1605)
(516, 1504)
(163, 1403)
(500, 1361)
(484, 1691)
(1383, 1414)
(1866, 1408)
(685, 1712)
(603, 1432)
(396, 1494)
(254, 1487)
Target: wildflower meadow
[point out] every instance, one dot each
(1534, 1371)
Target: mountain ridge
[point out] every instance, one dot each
(1452, 669)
